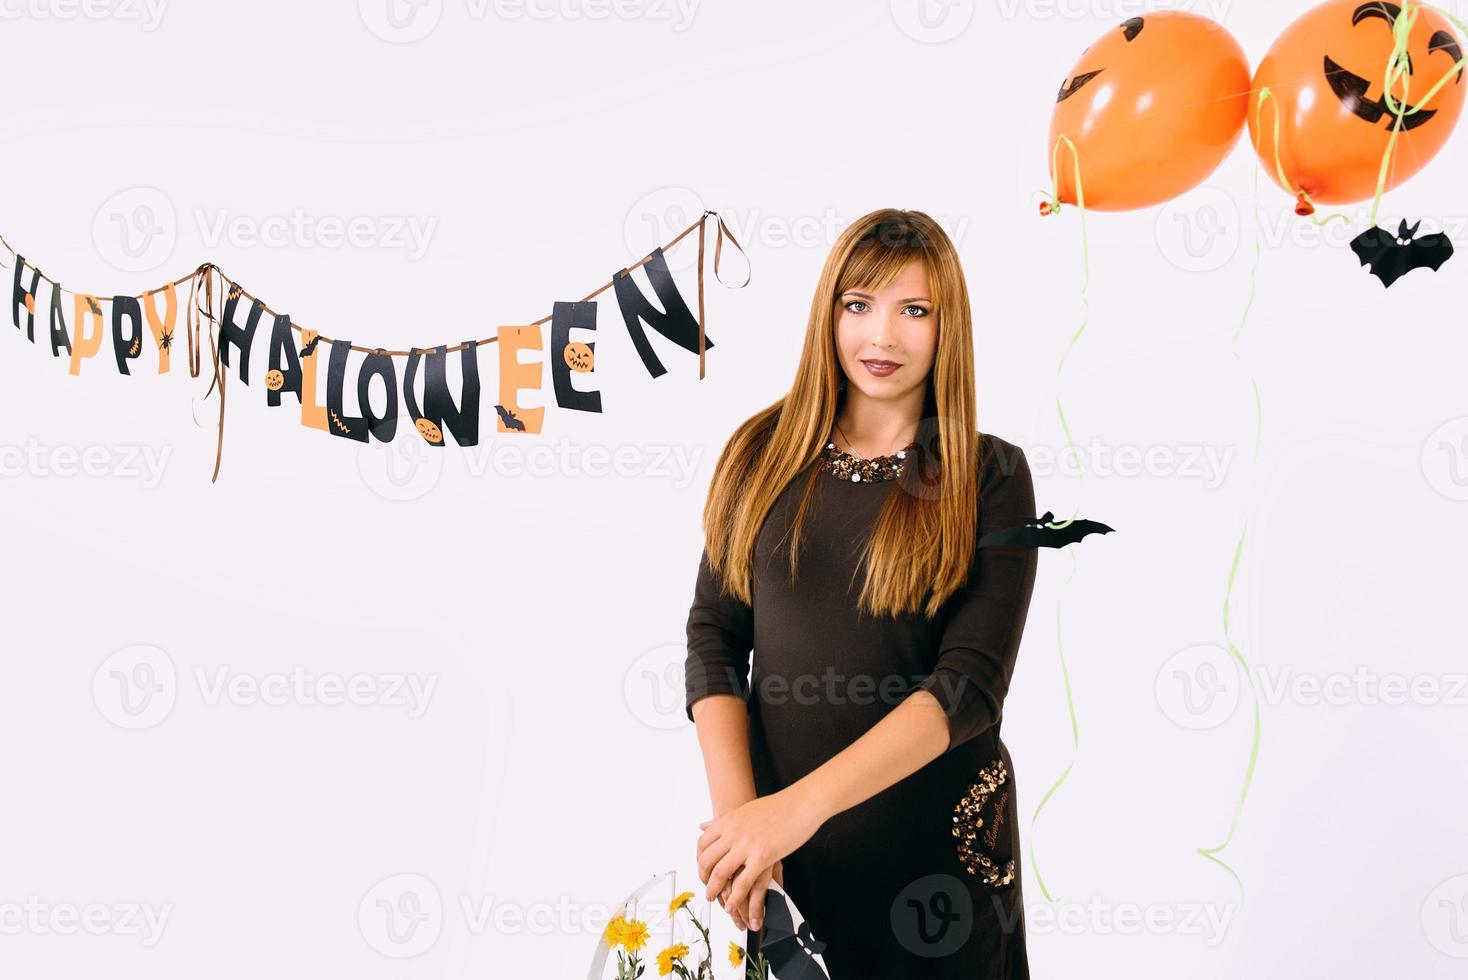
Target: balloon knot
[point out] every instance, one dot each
(1303, 207)
(1049, 207)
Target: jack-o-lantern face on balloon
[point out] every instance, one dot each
(1152, 108)
(1326, 71)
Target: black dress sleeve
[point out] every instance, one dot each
(985, 618)
(720, 638)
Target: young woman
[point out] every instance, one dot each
(860, 764)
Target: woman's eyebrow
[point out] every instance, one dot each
(910, 299)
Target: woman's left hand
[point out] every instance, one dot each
(740, 845)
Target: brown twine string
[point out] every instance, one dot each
(204, 276)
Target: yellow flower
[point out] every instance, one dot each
(634, 935)
(667, 956)
(678, 903)
(736, 954)
(612, 936)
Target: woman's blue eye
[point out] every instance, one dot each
(855, 302)
(920, 310)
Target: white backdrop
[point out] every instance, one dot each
(513, 756)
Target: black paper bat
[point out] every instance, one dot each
(1393, 256)
(789, 950)
(310, 348)
(1034, 534)
(508, 417)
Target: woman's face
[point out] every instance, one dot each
(891, 326)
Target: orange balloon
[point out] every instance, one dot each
(1152, 108)
(1332, 131)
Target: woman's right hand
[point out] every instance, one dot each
(754, 911)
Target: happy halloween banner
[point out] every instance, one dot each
(244, 323)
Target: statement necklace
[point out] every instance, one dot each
(849, 466)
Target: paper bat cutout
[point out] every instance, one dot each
(310, 348)
(1034, 533)
(788, 946)
(1393, 256)
(511, 420)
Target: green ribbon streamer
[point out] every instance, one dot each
(1053, 205)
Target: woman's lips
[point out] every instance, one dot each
(881, 369)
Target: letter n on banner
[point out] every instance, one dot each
(674, 321)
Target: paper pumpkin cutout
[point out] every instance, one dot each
(429, 431)
(462, 421)
(674, 321)
(579, 357)
(284, 373)
(566, 317)
(515, 375)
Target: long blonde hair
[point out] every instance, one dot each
(922, 544)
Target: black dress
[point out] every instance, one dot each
(922, 879)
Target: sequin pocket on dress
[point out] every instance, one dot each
(978, 818)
